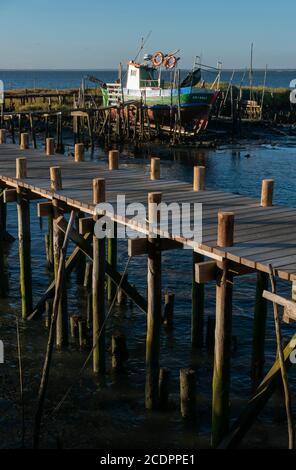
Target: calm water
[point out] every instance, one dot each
(72, 79)
(111, 413)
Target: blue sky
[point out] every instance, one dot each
(78, 34)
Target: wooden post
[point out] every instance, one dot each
(3, 273)
(155, 168)
(49, 241)
(169, 309)
(24, 235)
(197, 314)
(98, 286)
(24, 144)
(164, 381)
(79, 153)
(199, 174)
(56, 178)
(188, 393)
(154, 310)
(49, 146)
(74, 319)
(82, 333)
(2, 136)
(21, 168)
(48, 312)
(113, 160)
(81, 261)
(112, 242)
(267, 193)
(221, 374)
(259, 327)
(58, 239)
(119, 351)
(88, 275)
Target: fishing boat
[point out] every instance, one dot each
(168, 100)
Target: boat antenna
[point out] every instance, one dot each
(143, 43)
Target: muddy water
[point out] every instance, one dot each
(110, 413)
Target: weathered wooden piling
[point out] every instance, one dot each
(221, 373)
(267, 193)
(79, 152)
(49, 146)
(2, 136)
(154, 309)
(21, 168)
(197, 314)
(113, 159)
(3, 273)
(188, 393)
(119, 351)
(82, 333)
(155, 168)
(74, 319)
(168, 315)
(98, 286)
(164, 388)
(48, 312)
(24, 141)
(199, 174)
(24, 236)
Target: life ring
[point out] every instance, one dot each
(157, 59)
(170, 62)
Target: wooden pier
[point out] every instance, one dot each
(240, 235)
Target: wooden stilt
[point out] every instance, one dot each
(155, 168)
(260, 314)
(98, 287)
(267, 193)
(112, 242)
(188, 393)
(81, 262)
(197, 315)
(154, 310)
(49, 239)
(24, 235)
(3, 273)
(221, 373)
(169, 310)
(62, 318)
(2, 136)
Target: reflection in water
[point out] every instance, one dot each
(111, 413)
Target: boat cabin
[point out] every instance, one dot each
(141, 76)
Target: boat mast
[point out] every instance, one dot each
(251, 73)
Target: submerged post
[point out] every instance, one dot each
(98, 285)
(154, 306)
(221, 373)
(24, 236)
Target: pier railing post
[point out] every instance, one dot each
(24, 236)
(98, 286)
(24, 141)
(79, 152)
(221, 373)
(49, 146)
(155, 168)
(267, 193)
(2, 136)
(199, 178)
(154, 309)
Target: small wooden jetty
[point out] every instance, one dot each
(241, 235)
